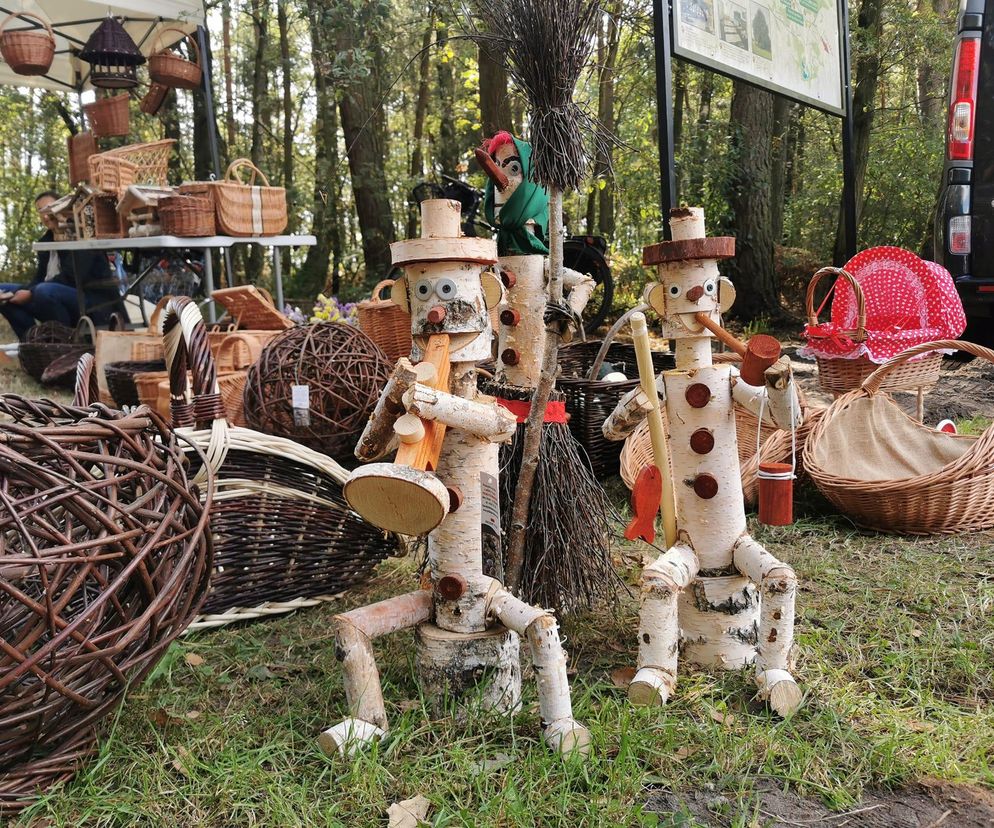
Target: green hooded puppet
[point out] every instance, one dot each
(528, 202)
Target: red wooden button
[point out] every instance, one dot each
(702, 441)
(509, 356)
(508, 278)
(510, 317)
(698, 395)
(705, 486)
(451, 587)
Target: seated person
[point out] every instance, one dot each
(52, 295)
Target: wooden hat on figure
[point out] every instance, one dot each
(566, 561)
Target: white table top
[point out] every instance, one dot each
(166, 242)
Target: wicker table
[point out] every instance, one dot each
(205, 243)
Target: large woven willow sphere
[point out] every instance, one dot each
(343, 371)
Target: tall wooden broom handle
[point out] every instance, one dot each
(660, 449)
(423, 454)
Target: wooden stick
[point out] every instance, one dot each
(660, 450)
(721, 334)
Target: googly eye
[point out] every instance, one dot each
(423, 289)
(674, 291)
(514, 168)
(710, 287)
(446, 289)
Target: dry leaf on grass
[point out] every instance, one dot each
(408, 813)
(162, 718)
(193, 659)
(723, 718)
(622, 677)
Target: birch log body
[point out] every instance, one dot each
(478, 672)
(719, 622)
(527, 337)
(713, 524)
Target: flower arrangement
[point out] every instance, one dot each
(329, 309)
(295, 314)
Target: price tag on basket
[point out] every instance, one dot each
(300, 399)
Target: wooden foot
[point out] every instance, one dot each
(650, 688)
(780, 690)
(349, 737)
(568, 736)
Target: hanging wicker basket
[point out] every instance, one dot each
(113, 56)
(105, 561)
(109, 117)
(283, 534)
(27, 51)
(386, 323)
(153, 99)
(81, 146)
(169, 69)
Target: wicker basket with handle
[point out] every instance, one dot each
(841, 375)
(886, 471)
(153, 99)
(386, 323)
(151, 158)
(282, 530)
(27, 51)
(109, 117)
(169, 69)
(187, 216)
(245, 209)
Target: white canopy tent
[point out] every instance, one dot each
(73, 21)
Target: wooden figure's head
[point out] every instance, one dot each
(448, 286)
(506, 156)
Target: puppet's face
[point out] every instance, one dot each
(509, 162)
(453, 298)
(684, 289)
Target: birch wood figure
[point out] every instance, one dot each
(716, 597)
(565, 558)
(467, 624)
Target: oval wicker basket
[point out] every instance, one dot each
(185, 215)
(42, 345)
(841, 375)
(169, 69)
(109, 117)
(96, 587)
(120, 378)
(939, 483)
(386, 323)
(27, 51)
(283, 533)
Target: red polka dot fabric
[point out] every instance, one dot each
(909, 301)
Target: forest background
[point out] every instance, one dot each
(350, 103)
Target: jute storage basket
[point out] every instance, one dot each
(386, 323)
(283, 534)
(886, 471)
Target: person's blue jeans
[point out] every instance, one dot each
(50, 302)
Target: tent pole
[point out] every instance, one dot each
(205, 50)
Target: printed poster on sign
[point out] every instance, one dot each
(793, 47)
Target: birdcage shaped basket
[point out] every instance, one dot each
(284, 536)
(113, 56)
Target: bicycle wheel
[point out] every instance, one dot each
(585, 254)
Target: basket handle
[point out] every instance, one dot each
(160, 306)
(611, 334)
(86, 382)
(186, 345)
(873, 382)
(379, 287)
(229, 342)
(193, 42)
(241, 163)
(39, 18)
(859, 334)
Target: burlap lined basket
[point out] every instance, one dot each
(888, 472)
(386, 323)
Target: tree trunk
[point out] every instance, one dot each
(680, 71)
(260, 114)
(283, 23)
(229, 95)
(495, 107)
(869, 27)
(932, 69)
(752, 270)
(782, 111)
(364, 125)
(420, 111)
(170, 129)
(695, 183)
(448, 151)
(605, 114)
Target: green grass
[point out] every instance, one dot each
(896, 655)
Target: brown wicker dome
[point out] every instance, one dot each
(112, 55)
(344, 372)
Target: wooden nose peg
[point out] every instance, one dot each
(509, 356)
(510, 317)
(436, 315)
(508, 278)
(695, 293)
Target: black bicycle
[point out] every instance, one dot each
(585, 254)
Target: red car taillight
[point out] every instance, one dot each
(963, 100)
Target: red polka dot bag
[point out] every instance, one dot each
(884, 301)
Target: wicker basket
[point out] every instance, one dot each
(841, 375)
(282, 530)
(61, 371)
(167, 68)
(590, 401)
(239, 352)
(386, 323)
(251, 308)
(27, 51)
(113, 174)
(946, 481)
(109, 117)
(44, 343)
(81, 146)
(121, 379)
(244, 209)
(151, 158)
(188, 216)
(153, 100)
(97, 584)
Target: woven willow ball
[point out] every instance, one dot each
(105, 557)
(344, 372)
